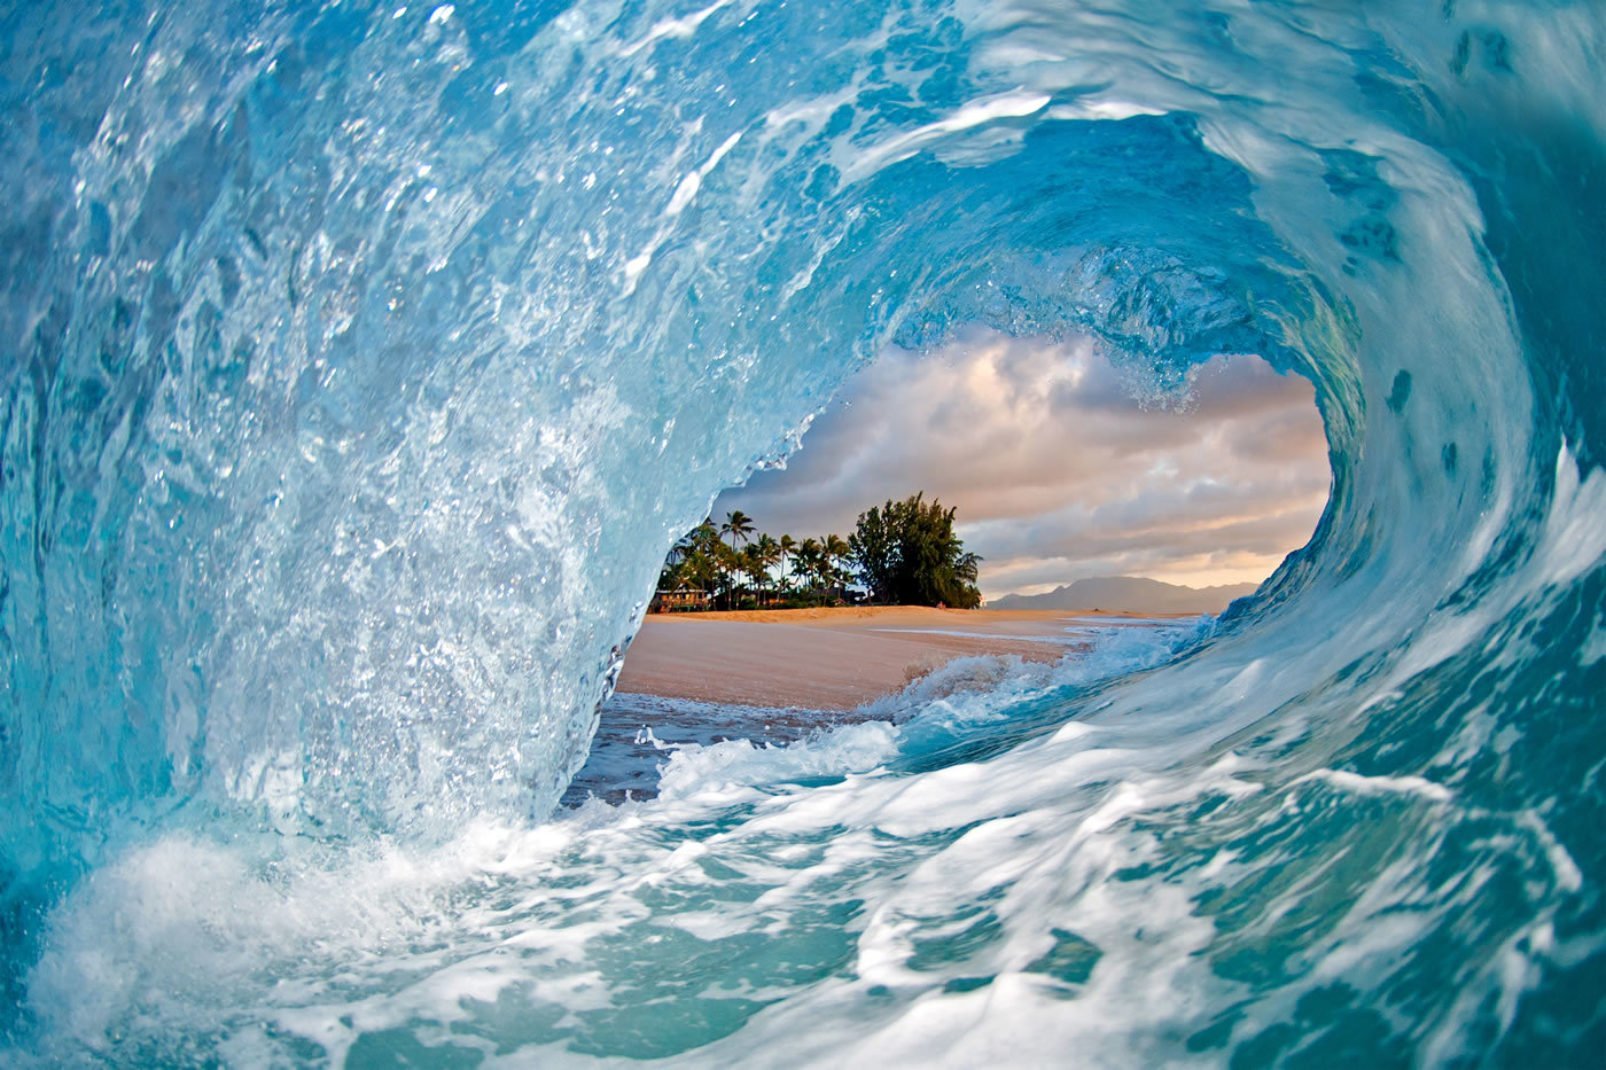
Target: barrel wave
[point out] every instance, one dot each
(361, 363)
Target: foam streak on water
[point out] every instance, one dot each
(362, 362)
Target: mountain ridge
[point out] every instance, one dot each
(1129, 593)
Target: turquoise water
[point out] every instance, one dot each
(364, 361)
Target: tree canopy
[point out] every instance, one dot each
(908, 554)
(902, 552)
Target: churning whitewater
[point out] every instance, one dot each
(363, 361)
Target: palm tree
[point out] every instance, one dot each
(788, 547)
(698, 569)
(811, 559)
(967, 567)
(703, 536)
(769, 552)
(836, 551)
(738, 525)
(712, 565)
(753, 564)
(729, 563)
(902, 551)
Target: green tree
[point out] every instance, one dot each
(908, 554)
(698, 569)
(738, 525)
(702, 537)
(669, 577)
(811, 563)
(752, 558)
(788, 546)
(903, 552)
(836, 552)
(728, 567)
(874, 546)
(768, 554)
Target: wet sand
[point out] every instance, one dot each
(827, 659)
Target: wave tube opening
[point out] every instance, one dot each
(1063, 465)
(365, 361)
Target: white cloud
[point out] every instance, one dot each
(1058, 472)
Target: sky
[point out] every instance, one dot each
(1057, 468)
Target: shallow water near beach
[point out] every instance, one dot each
(364, 361)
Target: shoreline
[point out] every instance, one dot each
(836, 658)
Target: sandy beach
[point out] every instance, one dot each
(829, 659)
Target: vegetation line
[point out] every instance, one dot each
(900, 553)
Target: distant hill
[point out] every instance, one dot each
(1129, 594)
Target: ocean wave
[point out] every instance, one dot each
(366, 359)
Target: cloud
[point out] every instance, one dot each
(1057, 470)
